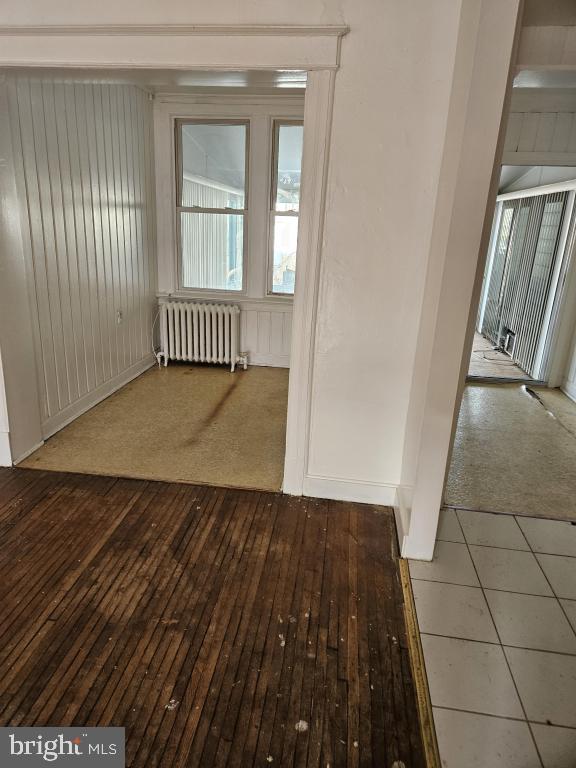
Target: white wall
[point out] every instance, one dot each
(83, 161)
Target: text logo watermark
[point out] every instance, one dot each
(79, 747)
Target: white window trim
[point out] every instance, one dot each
(262, 112)
(276, 123)
(179, 209)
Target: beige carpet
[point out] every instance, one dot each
(514, 453)
(196, 424)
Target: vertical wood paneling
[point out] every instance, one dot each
(265, 333)
(541, 132)
(84, 155)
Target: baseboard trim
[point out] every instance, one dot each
(569, 390)
(346, 489)
(402, 506)
(73, 411)
(273, 361)
(27, 453)
(5, 451)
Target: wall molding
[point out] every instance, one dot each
(180, 30)
(247, 100)
(172, 46)
(63, 418)
(348, 489)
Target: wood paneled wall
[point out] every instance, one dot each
(541, 127)
(84, 158)
(266, 332)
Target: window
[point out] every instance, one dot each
(212, 203)
(285, 199)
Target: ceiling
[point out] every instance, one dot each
(541, 78)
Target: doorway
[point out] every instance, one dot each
(523, 287)
(92, 160)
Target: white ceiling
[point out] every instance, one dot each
(541, 78)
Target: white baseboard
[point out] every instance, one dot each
(5, 452)
(402, 506)
(64, 417)
(27, 453)
(273, 361)
(569, 389)
(344, 489)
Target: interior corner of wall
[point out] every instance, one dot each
(402, 510)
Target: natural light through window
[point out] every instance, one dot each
(287, 166)
(212, 197)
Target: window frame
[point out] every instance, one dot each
(276, 124)
(179, 209)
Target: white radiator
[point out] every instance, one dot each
(200, 333)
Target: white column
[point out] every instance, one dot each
(18, 385)
(317, 124)
(462, 225)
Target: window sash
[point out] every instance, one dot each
(272, 213)
(179, 123)
(180, 209)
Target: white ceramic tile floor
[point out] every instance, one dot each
(531, 621)
(471, 676)
(452, 563)
(483, 742)
(490, 530)
(570, 608)
(561, 573)
(551, 537)
(497, 616)
(453, 611)
(547, 685)
(510, 570)
(557, 745)
(449, 527)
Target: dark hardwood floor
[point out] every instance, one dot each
(219, 627)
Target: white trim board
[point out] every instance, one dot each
(76, 409)
(5, 452)
(347, 489)
(172, 46)
(267, 30)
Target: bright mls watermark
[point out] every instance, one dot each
(32, 747)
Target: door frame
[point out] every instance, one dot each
(314, 49)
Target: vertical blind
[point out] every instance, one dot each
(520, 279)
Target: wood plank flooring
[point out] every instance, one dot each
(219, 627)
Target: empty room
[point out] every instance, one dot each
(287, 317)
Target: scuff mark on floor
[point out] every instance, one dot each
(535, 396)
